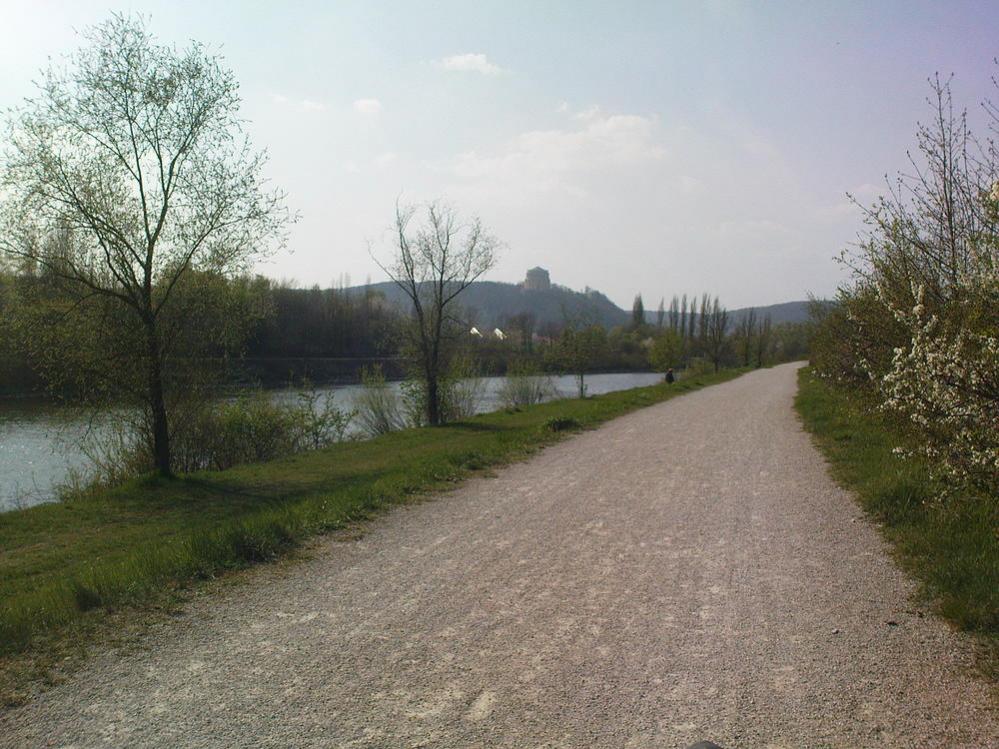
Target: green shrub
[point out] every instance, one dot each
(698, 366)
(525, 385)
(561, 424)
(378, 405)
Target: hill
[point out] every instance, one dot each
(492, 304)
(786, 312)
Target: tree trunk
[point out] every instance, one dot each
(433, 401)
(157, 405)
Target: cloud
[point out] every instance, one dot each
(590, 113)
(559, 159)
(368, 106)
(639, 201)
(470, 62)
(384, 159)
(304, 105)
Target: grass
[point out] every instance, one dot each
(71, 571)
(950, 544)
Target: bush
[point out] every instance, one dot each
(460, 391)
(378, 405)
(257, 427)
(698, 366)
(918, 327)
(561, 424)
(525, 385)
(211, 436)
(463, 390)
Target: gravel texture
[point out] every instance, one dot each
(686, 572)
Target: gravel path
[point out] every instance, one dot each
(685, 572)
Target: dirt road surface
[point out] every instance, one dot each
(685, 572)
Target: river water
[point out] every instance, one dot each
(40, 443)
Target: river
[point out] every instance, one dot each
(40, 443)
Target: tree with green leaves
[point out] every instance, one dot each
(667, 351)
(637, 312)
(579, 349)
(127, 181)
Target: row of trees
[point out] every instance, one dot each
(918, 325)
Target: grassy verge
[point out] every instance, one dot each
(950, 545)
(67, 569)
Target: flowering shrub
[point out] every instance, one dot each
(947, 382)
(919, 324)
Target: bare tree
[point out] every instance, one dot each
(661, 313)
(433, 265)
(125, 174)
(764, 333)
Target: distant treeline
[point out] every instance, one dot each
(331, 334)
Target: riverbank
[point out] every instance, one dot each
(42, 444)
(66, 568)
(951, 546)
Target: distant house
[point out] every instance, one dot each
(537, 280)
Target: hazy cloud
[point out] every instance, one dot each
(368, 106)
(549, 159)
(470, 62)
(305, 105)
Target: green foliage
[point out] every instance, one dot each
(918, 326)
(579, 351)
(525, 385)
(952, 547)
(460, 389)
(667, 351)
(318, 323)
(638, 312)
(213, 435)
(125, 202)
(256, 427)
(561, 424)
(698, 366)
(378, 406)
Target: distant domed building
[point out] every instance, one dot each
(537, 280)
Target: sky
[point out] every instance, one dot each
(632, 147)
